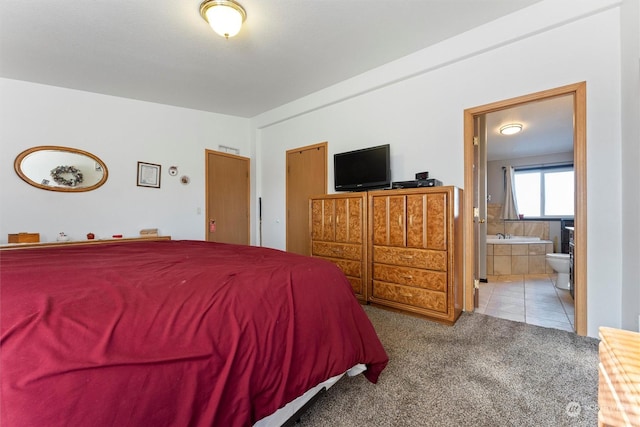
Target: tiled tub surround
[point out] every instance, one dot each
(517, 258)
(511, 240)
(511, 256)
(516, 227)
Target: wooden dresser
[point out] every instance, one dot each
(415, 251)
(338, 234)
(619, 378)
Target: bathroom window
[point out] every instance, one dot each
(545, 192)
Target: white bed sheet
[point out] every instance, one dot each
(279, 417)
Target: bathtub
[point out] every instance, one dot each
(517, 255)
(493, 239)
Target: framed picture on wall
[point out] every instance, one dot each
(148, 175)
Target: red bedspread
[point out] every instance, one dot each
(171, 333)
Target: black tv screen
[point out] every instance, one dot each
(362, 169)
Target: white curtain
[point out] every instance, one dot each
(510, 208)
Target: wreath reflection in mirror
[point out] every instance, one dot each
(69, 176)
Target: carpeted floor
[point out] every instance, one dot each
(483, 371)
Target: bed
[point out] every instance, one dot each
(163, 333)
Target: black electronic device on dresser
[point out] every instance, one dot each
(417, 183)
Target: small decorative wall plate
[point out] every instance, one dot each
(173, 170)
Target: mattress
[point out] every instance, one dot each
(172, 333)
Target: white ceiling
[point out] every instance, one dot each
(162, 50)
(547, 128)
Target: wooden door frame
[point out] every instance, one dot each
(324, 144)
(206, 189)
(578, 90)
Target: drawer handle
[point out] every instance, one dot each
(408, 277)
(337, 250)
(404, 294)
(337, 219)
(406, 256)
(400, 220)
(411, 220)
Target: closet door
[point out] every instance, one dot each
(227, 191)
(306, 176)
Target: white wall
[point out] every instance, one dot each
(630, 14)
(416, 104)
(121, 132)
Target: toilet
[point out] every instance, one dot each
(560, 264)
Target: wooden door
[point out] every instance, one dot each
(227, 197)
(306, 177)
(416, 219)
(341, 207)
(397, 220)
(437, 221)
(328, 226)
(355, 220)
(378, 209)
(317, 219)
(389, 220)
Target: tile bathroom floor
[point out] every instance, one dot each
(530, 298)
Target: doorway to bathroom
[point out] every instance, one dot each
(477, 124)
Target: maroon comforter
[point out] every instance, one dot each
(171, 333)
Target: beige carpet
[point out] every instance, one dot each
(483, 371)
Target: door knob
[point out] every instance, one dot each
(482, 220)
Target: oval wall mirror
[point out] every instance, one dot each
(61, 169)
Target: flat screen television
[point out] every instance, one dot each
(362, 169)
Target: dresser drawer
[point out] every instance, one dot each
(356, 284)
(348, 267)
(336, 250)
(426, 279)
(416, 297)
(420, 258)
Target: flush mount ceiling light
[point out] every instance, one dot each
(224, 16)
(511, 128)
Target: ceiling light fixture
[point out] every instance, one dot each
(224, 16)
(511, 128)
